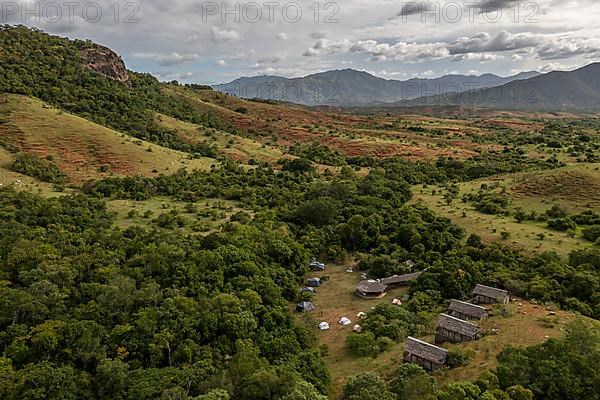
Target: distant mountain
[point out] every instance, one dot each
(577, 90)
(349, 87)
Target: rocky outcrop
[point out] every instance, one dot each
(106, 62)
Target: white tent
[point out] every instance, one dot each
(361, 315)
(397, 302)
(357, 328)
(323, 326)
(345, 321)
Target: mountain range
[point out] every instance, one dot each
(577, 90)
(354, 88)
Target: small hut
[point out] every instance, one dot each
(462, 310)
(426, 355)
(371, 289)
(488, 295)
(451, 329)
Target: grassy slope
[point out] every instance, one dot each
(527, 324)
(577, 188)
(352, 135)
(81, 147)
(234, 147)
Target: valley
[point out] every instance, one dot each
(156, 237)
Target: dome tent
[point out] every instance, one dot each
(305, 306)
(324, 326)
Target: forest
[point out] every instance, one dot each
(148, 313)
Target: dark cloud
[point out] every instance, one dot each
(483, 42)
(413, 8)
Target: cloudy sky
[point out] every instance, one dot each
(215, 42)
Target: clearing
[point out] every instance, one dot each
(575, 188)
(523, 324)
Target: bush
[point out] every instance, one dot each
(562, 224)
(44, 170)
(592, 233)
(458, 358)
(363, 344)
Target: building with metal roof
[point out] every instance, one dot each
(451, 329)
(487, 295)
(464, 310)
(427, 355)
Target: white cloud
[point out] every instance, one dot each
(165, 60)
(223, 35)
(569, 47)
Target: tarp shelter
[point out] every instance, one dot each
(323, 326)
(305, 306)
(307, 289)
(357, 328)
(361, 315)
(313, 282)
(345, 321)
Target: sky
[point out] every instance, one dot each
(216, 42)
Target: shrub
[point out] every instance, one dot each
(363, 344)
(458, 358)
(44, 170)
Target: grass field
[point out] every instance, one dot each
(526, 324)
(83, 149)
(336, 299)
(203, 216)
(576, 188)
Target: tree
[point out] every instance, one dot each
(411, 382)
(299, 165)
(215, 394)
(459, 391)
(366, 386)
(518, 392)
(111, 379)
(363, 344)
(303, 391)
